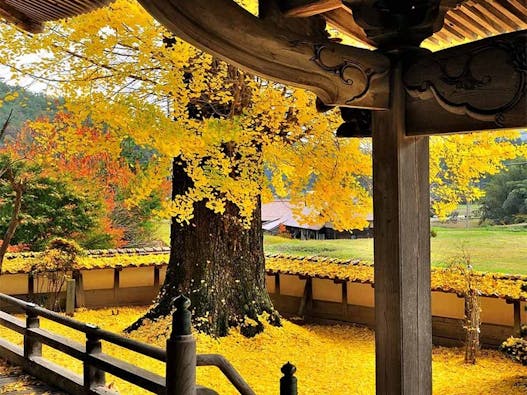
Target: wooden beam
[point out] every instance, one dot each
(403, 320)
(489, 17)
(496, 15)
(443, 36)
(509, 12)
(19, 19)
(267, 46)
(342, 20)
(313, 7)
(476, 86)
(470, 25)
(452, 29)
(519, 6)
(480, 19)
(461, 26)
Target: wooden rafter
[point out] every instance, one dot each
(314, 7)
(19, 19)
(340, 19)
(482, 20)
(472, 27)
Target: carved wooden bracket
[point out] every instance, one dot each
(477, 86)
(339, 74)
(395, 24)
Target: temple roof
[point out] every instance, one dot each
(31, 14)
(470, 20)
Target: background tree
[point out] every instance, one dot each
(505, 199)
(459, 162)
(46, 207)
(99, 165)
(23, 105)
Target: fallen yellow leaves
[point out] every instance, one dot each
(330, 359)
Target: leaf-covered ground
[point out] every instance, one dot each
(330, 359)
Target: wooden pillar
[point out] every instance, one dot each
(117, 284)
(80, 299)
(157, 275)
(403, 334)
(517, 318)
(70, 296)
(277, 284)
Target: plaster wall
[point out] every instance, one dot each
(136, 277)
(13, 284)
(97, 279)
(361, 294)
(291, 285)
(326, 290)
(269, 284)
(447, 305)
(494, 311)
(497, 311)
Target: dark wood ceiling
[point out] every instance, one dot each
(469, 21)
(31, 14)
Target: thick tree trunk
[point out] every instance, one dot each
(219, 265)
(472, 325)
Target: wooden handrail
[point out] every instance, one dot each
(227, 369)
(111, 337)
(96, 363)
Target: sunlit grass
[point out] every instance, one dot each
(497, 249)
(493, 248)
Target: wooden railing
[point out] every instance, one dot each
(180, 356)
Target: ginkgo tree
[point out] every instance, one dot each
(459, 162)
(211, 128)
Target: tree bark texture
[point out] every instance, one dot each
(472, 325)
(219, 265)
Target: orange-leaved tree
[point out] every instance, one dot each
(95, 163)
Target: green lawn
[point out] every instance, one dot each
(494, 248)
(499, 249)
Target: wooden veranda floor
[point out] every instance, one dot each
(13, 381)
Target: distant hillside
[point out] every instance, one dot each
(26, 106)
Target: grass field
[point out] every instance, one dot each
(493, 248)
(498, 249)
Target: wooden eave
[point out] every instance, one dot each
(471, 20)
(30, 15)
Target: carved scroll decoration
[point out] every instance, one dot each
(484, 80)
(341, 69)
(263, 46)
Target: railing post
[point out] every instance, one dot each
(181, 352)
(32, 347)
(70, 297)
(288, 383)
(93, 377)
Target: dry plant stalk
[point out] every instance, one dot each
(462, 265)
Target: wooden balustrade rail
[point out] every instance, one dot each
(96, 363)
